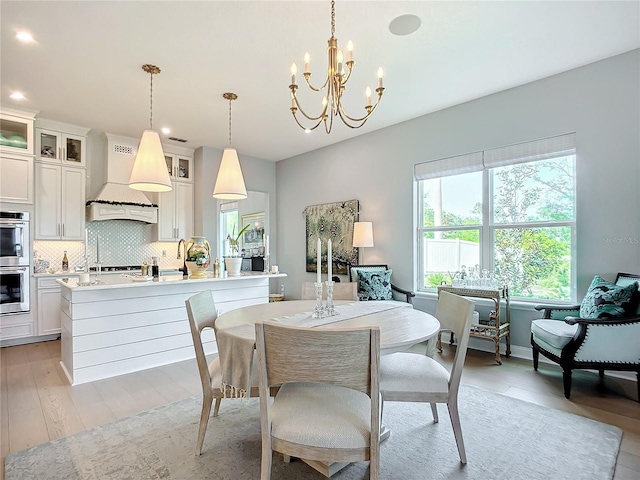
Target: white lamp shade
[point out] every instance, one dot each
(230, 182)
(149, 172)
(363, 234)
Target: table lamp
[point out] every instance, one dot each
(362, 235)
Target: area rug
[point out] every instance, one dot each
(505, 438)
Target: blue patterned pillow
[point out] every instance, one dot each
(375, 285)
(606, 299)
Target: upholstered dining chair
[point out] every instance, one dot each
(341, 291)
(201, 310)
(328, 405)
(374, 283)
(412, 377)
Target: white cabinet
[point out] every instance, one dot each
(60, 199)
(55, 146)
(16, 178)
(16, 156)
(48, 306)
(175, 213)
(180, 167)
(16, 132)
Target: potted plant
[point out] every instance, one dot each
(233, 263)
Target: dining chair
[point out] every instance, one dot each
(412, 377)
(328, 405)
(341, 291)
(202, 313)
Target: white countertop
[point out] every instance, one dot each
(128, 281)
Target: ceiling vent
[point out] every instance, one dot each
(176, 139)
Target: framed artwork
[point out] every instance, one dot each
(253, 236)
(331, 221)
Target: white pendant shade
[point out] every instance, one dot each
(149, 172)
(230, 182)
(363, 234)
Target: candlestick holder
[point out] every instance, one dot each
(319, 310)
(330, 310)
(265, 259)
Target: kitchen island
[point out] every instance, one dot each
(124, 323)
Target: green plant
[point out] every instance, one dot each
(233, 239)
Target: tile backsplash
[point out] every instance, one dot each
(121, 242)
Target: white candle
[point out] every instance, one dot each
(329, 260)
(380, 73)
(294, 70)
(318, 262)
(307, 60)
(85, 278)
(266, 244)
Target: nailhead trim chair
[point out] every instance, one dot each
(601, 344)
(398, 293)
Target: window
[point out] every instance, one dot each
(510, 211)
(228, 226)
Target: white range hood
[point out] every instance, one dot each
(115, 200)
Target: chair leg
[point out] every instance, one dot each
(434, 411)
(601, 373)
(457, 429)
(638, 383)
(536, 357)
(566, 378)
(265, 465)
(217, 406)
(204, 419)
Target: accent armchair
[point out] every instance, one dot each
(604, 343)
(382, 288)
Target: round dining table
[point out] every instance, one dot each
(401, 326)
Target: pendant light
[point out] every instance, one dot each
(230, 182)
(149, 172)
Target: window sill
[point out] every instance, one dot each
(526, 305)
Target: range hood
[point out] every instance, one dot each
(115, 200)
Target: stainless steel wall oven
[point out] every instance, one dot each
(15, 262)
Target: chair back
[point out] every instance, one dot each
(344, 357)
(341, 291)
(455, 313)
(202, 313)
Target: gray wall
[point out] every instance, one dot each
(600, 102)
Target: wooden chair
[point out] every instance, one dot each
(411, 377)
(201, 310)
(328, 405)
(341, 291)
(601, 344)
(397, 292)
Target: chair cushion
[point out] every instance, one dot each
(412, 372)
(606, 299)
(374, 285)
(553, 332)
(321, 415)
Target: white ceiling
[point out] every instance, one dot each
(85, 67)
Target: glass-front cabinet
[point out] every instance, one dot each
(180, 167)
(16, 134)
(59, 146)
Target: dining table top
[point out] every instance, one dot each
(401, 326)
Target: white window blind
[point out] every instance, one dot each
(444, 167)
(541, 149)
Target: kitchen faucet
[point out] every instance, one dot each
(185, 272)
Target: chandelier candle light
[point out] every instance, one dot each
(335, 84)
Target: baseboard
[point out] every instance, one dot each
(526, 353)
(25, 340)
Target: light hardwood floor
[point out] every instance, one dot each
(37, 404)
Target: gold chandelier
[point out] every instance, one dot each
(335, 84)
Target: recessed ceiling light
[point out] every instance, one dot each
(404, 24)
(24, 36)
(166, 131)
(17, 96)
